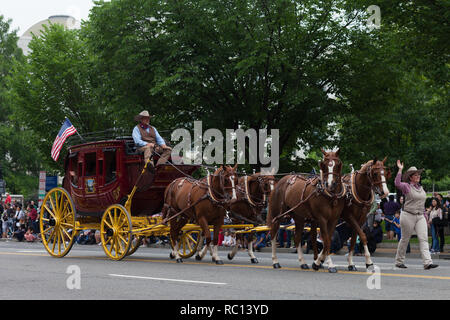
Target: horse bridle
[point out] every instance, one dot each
(222, 174)
(374, 184)
(338, 177)
(261, 183)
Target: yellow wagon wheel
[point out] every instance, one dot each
(115, 232)
(189, 243)
(57, 222)
(136, 242)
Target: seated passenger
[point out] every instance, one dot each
(147, 139)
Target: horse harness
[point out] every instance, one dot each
(319, 190)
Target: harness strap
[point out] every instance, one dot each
(355, 195)
(298, 204)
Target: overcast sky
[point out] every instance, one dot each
(25, 13)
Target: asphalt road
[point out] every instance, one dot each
(86, 273)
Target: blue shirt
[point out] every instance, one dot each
(138, 138)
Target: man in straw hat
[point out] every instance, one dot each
(412, 217)
(147, 139)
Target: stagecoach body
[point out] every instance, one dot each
(99, 174)
(107, 186)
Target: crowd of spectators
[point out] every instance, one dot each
(383, 223)
(18, 222)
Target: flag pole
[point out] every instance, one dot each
(82, 139)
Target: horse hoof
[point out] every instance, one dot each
(171, 255)
(198, 258)
(315, 266)
(179, 260)
(229, 256)
(332, 270)
(276, 266)
(369, 265)
(219, 262)
(304, 266)
(254, 260)
(352, 268)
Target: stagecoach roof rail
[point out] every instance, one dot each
(108, 134)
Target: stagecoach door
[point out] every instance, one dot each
(90, 181)
(108, 189)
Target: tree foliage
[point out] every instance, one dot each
(312, 69)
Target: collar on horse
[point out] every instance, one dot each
(248, 197)
(373, 184)
(354, 193)
(325, 192)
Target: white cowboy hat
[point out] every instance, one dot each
(142, 115)
(410, 172)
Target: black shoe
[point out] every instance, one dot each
(402, 266)
(430, 266)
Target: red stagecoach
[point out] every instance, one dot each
(108, 187)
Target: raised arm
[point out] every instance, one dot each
(402, 186)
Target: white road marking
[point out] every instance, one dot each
(32, 251)
(165, 279)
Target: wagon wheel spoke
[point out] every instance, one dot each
(61, 235)
(107, 223)
(121, 248)
(67, 233)
(191, 238)
(50, 211)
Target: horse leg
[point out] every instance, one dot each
(250, 249)
(200, 247)
(273, 237)
(313, 237)
(207, 235)
(235, 248)
(299, 224)
(175, 229)
(214, 251)
(351, 250)
(326, 248)
(363, 239)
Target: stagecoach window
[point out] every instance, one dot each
(110, 165)
(73, 168)
(90, 164)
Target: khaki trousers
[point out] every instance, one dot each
(409, 223)
(148, 150)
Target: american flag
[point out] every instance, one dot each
(66, 131)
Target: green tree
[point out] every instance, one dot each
(19, 158)
(55, 82)
(249, 64)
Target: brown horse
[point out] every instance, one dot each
(252, 194)
(320, 200)
(361, 185)
(203, 201)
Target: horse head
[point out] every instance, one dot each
(378, 175)
(266, 183)
(330, 170)
(225, 181)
